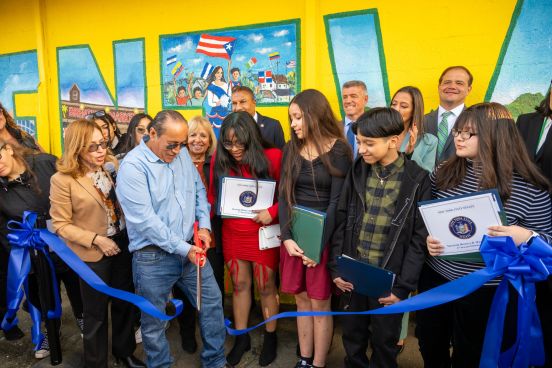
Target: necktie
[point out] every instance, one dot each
(442, 133)
(543, 133)
(351, 138)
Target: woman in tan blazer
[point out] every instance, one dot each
(86, 214)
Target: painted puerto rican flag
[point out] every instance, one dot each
(216, 46)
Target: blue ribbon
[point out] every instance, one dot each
(521, 267)
(24, 237)
(23, 240)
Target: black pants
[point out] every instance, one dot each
(187, 319)
(544, 306)
(383, 332)
(70, 280)
(461, 323)
(115, 271)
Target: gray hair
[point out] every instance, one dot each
(158, 122)
(356, 83)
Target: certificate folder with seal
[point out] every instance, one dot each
(367, 279)
(241, 197)
(307, 229)
(460, 222)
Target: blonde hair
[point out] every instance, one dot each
(77, 137)
(200, 122)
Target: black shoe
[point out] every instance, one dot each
(270, 346)
(13, 333)
(189, 344)
(130, 362)
(242, 343)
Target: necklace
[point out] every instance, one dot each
(382, 179)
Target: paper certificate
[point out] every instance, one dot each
(460, 222)
(240, 197)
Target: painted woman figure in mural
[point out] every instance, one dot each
(13, 134)
(218, 98)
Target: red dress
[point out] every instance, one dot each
(240, 237)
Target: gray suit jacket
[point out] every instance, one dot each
(431, 125)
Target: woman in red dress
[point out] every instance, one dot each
(242, 152)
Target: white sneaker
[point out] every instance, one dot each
(44, 349)
(138, 336)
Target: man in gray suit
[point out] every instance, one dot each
(355, 97)
(455, 83)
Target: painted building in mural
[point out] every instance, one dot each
(159, 58)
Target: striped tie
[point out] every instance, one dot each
(443, 132)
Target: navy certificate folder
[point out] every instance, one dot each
(367, 279)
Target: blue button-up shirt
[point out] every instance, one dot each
(160, 200)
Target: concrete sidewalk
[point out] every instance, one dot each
(19, 354)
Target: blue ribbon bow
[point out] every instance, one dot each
(23, 237)
(521, 267)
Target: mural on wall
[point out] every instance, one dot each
(199, 69)
(356, 53)
(524, 69)
(18, 74)
(83, 90)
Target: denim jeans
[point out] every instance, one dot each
(155, 273)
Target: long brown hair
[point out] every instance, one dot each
(78, 135)
(417, 108)
(21, 154)
(319, 127)
(501, 152)
(16, 131)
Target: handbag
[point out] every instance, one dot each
(269, 237)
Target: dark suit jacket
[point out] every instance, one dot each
(431, 125)
(272, 131)
(529, 125)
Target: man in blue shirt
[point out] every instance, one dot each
(355, 97)
(162, 196)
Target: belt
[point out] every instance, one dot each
(153, 248)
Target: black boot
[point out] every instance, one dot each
(242, 343)
(270, 346)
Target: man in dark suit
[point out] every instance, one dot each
(455, 83)
(535, 130)
(354, 96)
(243, 99)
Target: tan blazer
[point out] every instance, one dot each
(78, 214)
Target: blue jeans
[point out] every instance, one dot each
(155, 273)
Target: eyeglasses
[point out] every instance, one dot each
(462, 134)
(97, 114)
(173, 146)
(228, 145)
(95, 146)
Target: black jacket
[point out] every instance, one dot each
(529, 125)
(405, 251)
(271, 130)
(26, 194)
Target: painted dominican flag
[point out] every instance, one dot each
(291, 64)
(216, 46)
(178, 68)
(207, 70)
(273, 56)
(265, 77)
(171, 60)
(251, 62)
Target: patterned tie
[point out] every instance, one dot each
(351, 138)
(443, 132)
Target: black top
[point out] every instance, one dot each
(316, 188)
(20, 195)
(530, 125)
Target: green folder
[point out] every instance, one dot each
(307, 229)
